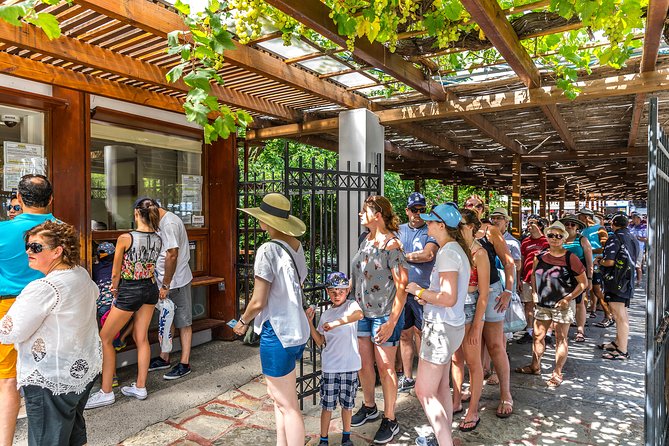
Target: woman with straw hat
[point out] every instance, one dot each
(558, 277)
(579, 245)
(276, 308)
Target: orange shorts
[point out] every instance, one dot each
(7, 352)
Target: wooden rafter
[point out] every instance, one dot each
(655, 19)
(72, 50)
(498, 30)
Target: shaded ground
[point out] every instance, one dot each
(224, 402)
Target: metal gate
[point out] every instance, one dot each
(315, 192)
(657, 316)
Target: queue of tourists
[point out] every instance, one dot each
(441, 287)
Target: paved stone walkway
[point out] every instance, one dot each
(600, 403)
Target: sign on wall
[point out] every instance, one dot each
(21, 159)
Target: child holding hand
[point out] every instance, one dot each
(340, 359)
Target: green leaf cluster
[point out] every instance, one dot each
(25, 12)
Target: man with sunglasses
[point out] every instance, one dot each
(14, 208)
(531, 245)
(420, 250)
(34, 196)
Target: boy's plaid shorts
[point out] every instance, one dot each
(338, 385)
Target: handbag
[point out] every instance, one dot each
(514, 318)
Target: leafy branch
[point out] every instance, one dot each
(26, 11)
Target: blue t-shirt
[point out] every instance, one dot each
(592, 233)
(415, 239)
(15, 273)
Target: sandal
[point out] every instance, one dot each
(605, 323)
(500, 409)
(616, 355)
(555, 381)
(580, 337)
(612, 346)
(493, 379)
(527, 370)
(592, 315)
(468, 426)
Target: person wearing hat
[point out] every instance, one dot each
(558, 276)
(444, 319)
(579, 245)
(340, 359)
(420, 250)
(597, 235)
(619, 299)
(136, 294)
(276, 310)
(500, 218)
(378, 281)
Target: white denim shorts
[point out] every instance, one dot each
(439, 341)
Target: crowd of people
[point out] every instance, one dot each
(58, 326)
(438, 286)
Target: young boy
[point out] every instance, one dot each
(340, 359)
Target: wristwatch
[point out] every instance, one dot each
(165, 286)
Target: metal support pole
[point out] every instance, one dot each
(515, 194)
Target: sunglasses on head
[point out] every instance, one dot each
(553, 235)
(417, 210)
(36, 248)
(16, 207)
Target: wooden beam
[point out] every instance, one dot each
(316, 15)
(488, 129)
(430, 137)
(50, 74)
(73, 50)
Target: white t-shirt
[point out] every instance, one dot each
(341, 343)
(284, 303)
(450, 257)
(173, 233)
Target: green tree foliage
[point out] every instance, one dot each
(24, 11)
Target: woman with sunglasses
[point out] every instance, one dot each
(135, 295)
(53, 325)
(14, 207)
(499, 297)
(558, 276)
(379, 274)
(581, 247)
(443, 320)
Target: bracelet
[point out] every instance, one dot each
(420, 292)
(241, 321)
(589, 278)
(508, 291)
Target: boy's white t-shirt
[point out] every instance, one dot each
(341, 343)
(450, 257)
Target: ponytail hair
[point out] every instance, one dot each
(148, 212)
(379, 203)
(456, 234)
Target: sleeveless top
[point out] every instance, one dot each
(474, 275)
(553, 281)
(490, 248)
(576, 248)
(139, 260)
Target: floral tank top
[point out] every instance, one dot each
(139, 260)
(371, 277)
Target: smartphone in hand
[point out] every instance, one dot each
(231, 323)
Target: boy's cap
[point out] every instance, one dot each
(620, 221)
(416, 199)
(336, 280)
(106, 249)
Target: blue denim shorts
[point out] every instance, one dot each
(492, 315)
(369, 326)
(277, 360)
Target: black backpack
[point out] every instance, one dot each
(619, 277)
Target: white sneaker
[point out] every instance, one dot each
(100, 399)
(134, 391)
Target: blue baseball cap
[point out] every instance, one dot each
(416, 199)
(106, 249)
(446, 213)
(336, 280)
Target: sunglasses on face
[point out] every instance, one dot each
(472, 205)
(417, 210)
(35, 248)
(16, 207)
(569, 225)
(557, 236)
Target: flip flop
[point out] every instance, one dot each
(460, 410)
(501, 406)
(467, 426)
(616, 355)
(613, 346)
(555, 381)
(580, 337)
(493, 380)
(527, 370)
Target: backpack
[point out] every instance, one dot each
(618, 278)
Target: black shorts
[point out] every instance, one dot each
(56, 419)
(413, 314)
(597, 279)
(579, 299)
(132, 294)
(613, 298)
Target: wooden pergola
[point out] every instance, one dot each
(516, 133)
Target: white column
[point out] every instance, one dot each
(360, 141)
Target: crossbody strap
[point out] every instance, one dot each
(297, 271)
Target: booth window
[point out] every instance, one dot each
(21, 149)
(127, 164)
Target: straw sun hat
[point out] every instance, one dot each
(274, 211)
